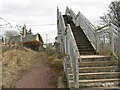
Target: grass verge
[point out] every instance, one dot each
(55, 61)
(16, 63)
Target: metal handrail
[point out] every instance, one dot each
(74, 54)
(111, 31)
(68, 46)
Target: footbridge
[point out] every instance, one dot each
(91, 55)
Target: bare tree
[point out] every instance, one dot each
(11, 33)
(113, 15)
(25, 32)
(29, 32)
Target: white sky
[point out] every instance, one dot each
(43, 12)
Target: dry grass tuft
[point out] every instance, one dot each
(56, 63)
(16, 63)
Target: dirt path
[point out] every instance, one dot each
(38, 77)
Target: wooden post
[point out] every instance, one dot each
(111, 39)
(77, 73)
(119, 44)
(97, 40)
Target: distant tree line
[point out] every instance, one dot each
(25, 31)
(113, 15)
(10, 33)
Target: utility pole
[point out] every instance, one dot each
(20, 28)
(46, 38)
(4, 40)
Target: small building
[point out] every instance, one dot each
(30, 41)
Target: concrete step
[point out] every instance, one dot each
(87, 52)
(98, 69)
(98, 64)
(98, 75)
(99, 80)
(92, 58)
(80, 39)
(85, 48)
(83, 45)
(70, 77)
(78, 33)
(99, 83)
(106, 88)
(71, 84)
(84, 42)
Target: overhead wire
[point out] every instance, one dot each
(41, 25)
(27, 24)
(4, 25)
(19, 27)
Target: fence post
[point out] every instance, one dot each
(77, 73)
(111, 39)
(119, 44)
(97, 42)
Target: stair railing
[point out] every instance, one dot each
(107, 40)
(61, 29)
(73, 52)
(103, 41)
(71, 13)
(114, 39)
(68, 46)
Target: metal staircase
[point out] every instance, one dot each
(85, 68)
(91, 67)
(83, 44)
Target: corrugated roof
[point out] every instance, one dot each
(15, 39)
(27, 38)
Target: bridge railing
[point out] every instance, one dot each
(114, 39)
(103, 41)
(107, 40)
(71, 13)
(61, 29)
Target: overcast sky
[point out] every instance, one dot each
(43, 13)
